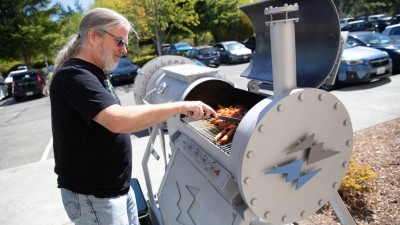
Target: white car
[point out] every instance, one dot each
(392, 31)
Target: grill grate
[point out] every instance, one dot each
(209, 131)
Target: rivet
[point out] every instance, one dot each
(262, 128)
(303, 214)
(247, 181)
(345, 164)
(302, 97)
(285, 219)
(346, 122)
(143, 90)
(349, 142)
(250, 155)
(337, 106)
(321, 202)
(266, 215)
(281, 108)
(335, 185)
(147, 76)
(144, 82)
(152, 71)
(322, 96)
(254, 201)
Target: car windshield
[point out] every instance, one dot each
(233, 46)
(206, 51)
(375, 39)
(182, 45)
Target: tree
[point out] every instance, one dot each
(27, 29)
(223, 19)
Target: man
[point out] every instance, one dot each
(92, 147)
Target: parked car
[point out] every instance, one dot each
(125, 72)
(233, 51)
(359, 25)
(378, 41)
(165, 48)
(208, 55)
(345, 21)
(3, 88)
(27, 84)
(179, 48)
(9, 79)
(362, 64)
(392, 31)
(250, 43)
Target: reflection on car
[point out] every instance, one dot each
(179, 48)
(378, 41)
(125, 72)
(233, 51)
(205, 54)
(27, 84)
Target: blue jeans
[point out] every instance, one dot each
(89, 210)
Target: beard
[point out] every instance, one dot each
(109, 62)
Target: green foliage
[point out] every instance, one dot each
(27, 29)
(140, 61)
(356, 183)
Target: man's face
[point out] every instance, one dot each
(113, 46)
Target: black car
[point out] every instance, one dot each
(250, 43)
(233, 52)
(125, 72)
(359, 25)
(27, 84)
(378, 41)
(208, 55)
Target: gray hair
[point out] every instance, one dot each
(97, 19)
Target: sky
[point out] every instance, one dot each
(85, 3)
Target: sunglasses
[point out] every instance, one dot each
(120, 42)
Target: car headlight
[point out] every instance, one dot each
(352, 61)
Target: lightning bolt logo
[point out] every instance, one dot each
(293, 169)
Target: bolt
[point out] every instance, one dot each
(285, 219)
(303, 214)
(247, 180)
(345, 164)
(281, 108)
(322, 96)
(321, 202)
(349, 142)
(254, 201)
(337, 106)
(266, 214)
(335, 185)
(262, 128)
(250, 155)
(302, 97)
(346, 122)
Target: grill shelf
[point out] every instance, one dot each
(208, 130)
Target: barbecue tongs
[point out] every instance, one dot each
(230, 119)
(226, 118)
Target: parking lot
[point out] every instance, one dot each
(28, 193)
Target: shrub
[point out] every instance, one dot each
(140, 61)
(356, 184)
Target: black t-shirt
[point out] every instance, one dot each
(89, 159)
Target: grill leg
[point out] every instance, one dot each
(340, 209)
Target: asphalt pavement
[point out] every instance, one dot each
(28, 194)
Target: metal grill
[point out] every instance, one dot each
(208, 130)
(379, 62)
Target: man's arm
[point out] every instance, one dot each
(119, 119)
